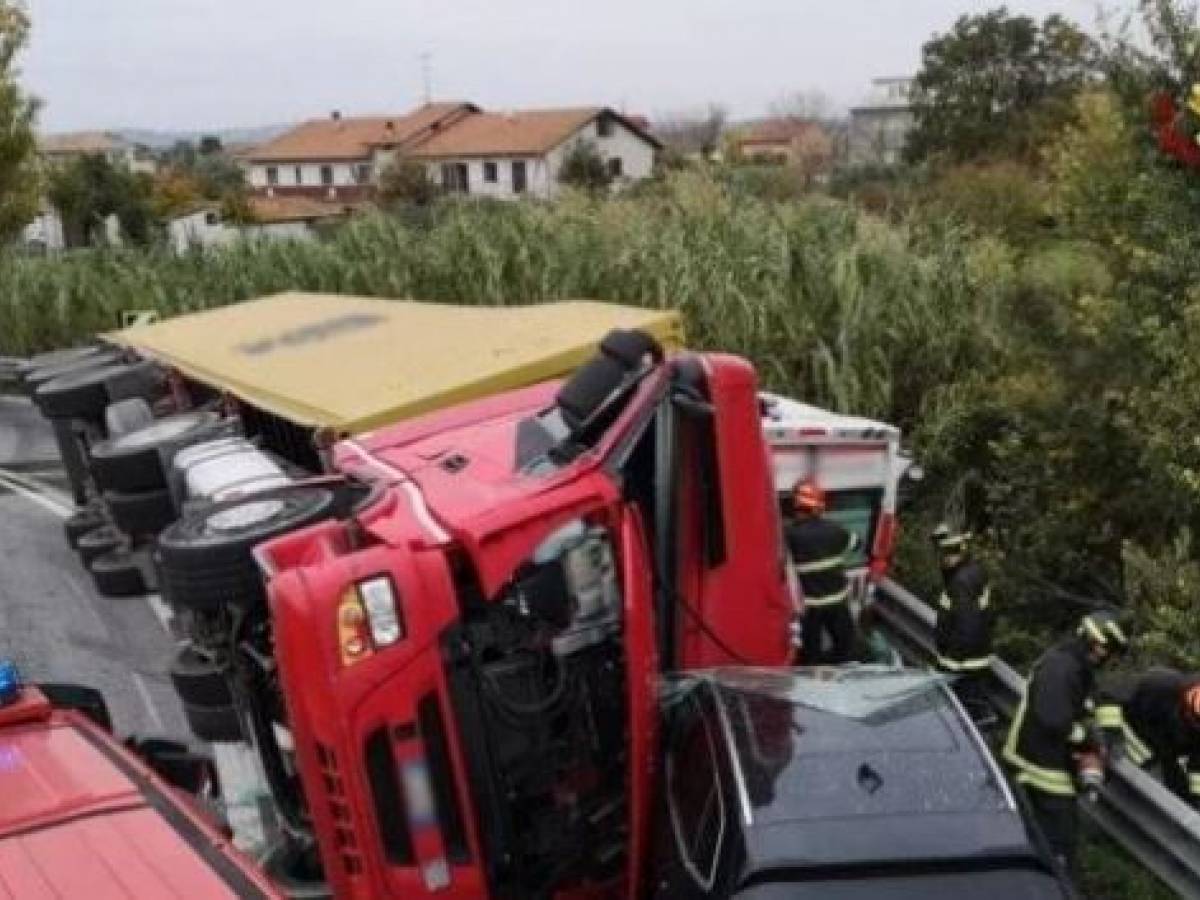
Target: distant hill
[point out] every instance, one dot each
(162, 140)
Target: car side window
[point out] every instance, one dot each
(695, 800)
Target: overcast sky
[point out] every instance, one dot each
(193, 64)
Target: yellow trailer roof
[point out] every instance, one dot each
(355, 363)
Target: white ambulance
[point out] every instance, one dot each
(859, 465)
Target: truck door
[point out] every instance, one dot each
(732, 603)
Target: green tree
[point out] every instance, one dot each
(19, 177)
(88, 190)
(996, 86)
(407, 182)
(584, 168)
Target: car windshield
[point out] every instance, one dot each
(854, 743)
(856, 692)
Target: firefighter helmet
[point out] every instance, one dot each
(949, 539)
(1103, 628)
(808, 496)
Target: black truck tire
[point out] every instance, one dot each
(35, 378)
(98, 542)
(65, 356)
(205, 559)
(198, 681)
(117, 575)
(79, 524)
(215, 724)
(85, 394)
(141, 512)
(134, 461)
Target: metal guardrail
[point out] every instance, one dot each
(1153, 825)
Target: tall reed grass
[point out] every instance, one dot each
(830, 304)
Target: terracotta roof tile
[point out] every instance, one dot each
(778, 131)
(354, 138)
(531, 132)
(81, 142)
(269, 210)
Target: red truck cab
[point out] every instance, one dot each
(470, 662)
(82, 816)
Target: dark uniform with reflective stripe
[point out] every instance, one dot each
(1154, 729)
(819, 548)
(964, 619)
(1050, 726)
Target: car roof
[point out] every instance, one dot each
(890, 781)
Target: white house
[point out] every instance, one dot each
(880, 125)
(507, 155)
(280, 218)
(466, 150)
(340, 158)
(45, 233)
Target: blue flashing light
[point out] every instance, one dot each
(10, 682)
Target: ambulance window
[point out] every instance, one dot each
(858, 512)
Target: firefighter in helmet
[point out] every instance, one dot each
(1052, 745)
(963, 634)
(818, 549)
(1157, 724)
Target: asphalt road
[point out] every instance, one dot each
(57, 628)
(52, 621)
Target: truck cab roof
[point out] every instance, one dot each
(82, 817)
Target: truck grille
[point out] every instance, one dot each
(345, 839)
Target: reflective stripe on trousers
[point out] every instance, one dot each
(1051, 781)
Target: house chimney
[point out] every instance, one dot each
(336, 115)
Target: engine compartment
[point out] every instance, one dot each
(538, 685)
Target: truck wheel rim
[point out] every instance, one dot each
(245, 516)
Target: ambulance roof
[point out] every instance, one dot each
(785, 418)
(354, 363)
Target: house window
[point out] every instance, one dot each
(604, 126)
(490, 172)
(455, 178)
(362, 173)
(298, 174)
(518, 177)
(615, 169)
(211, 218)
(327, 175)
(272, 175)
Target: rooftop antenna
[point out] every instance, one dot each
(427, 75)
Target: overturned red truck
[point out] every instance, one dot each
(446, 648)
(453, 685)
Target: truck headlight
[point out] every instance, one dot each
(383, 613)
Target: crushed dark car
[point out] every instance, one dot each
(836, 783)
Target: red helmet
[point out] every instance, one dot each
(808, 496)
